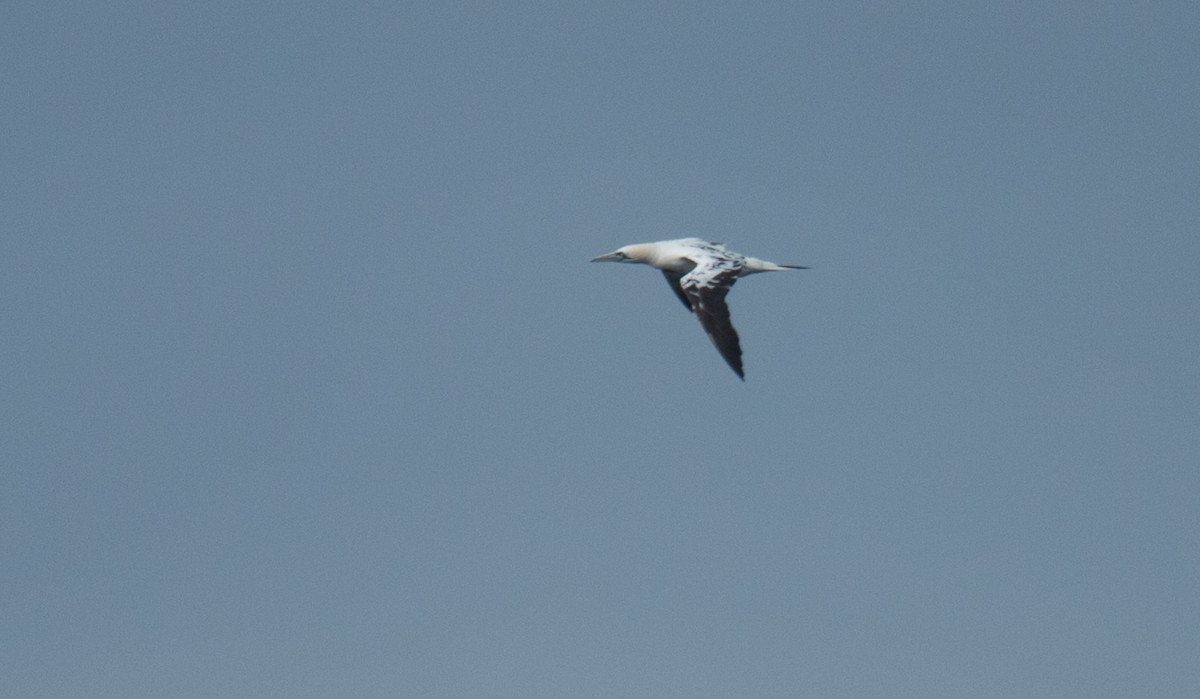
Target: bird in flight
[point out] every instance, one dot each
(701, 274)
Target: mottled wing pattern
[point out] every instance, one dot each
(705, 287)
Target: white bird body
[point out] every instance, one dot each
(701, 274)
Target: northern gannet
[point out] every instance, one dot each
(701, 274)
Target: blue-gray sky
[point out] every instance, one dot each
(309, 389)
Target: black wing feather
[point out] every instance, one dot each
(708, 301)
(673, 280)
(713, 313)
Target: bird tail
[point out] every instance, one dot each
(753, 264)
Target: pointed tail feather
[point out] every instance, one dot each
(753, 264)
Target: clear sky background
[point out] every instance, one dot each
(309, 390)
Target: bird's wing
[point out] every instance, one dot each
(673, 280)
(705, 287)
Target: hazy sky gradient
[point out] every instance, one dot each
(309, 389)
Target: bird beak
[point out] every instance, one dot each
(610, 257)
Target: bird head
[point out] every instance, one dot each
(628, 253)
